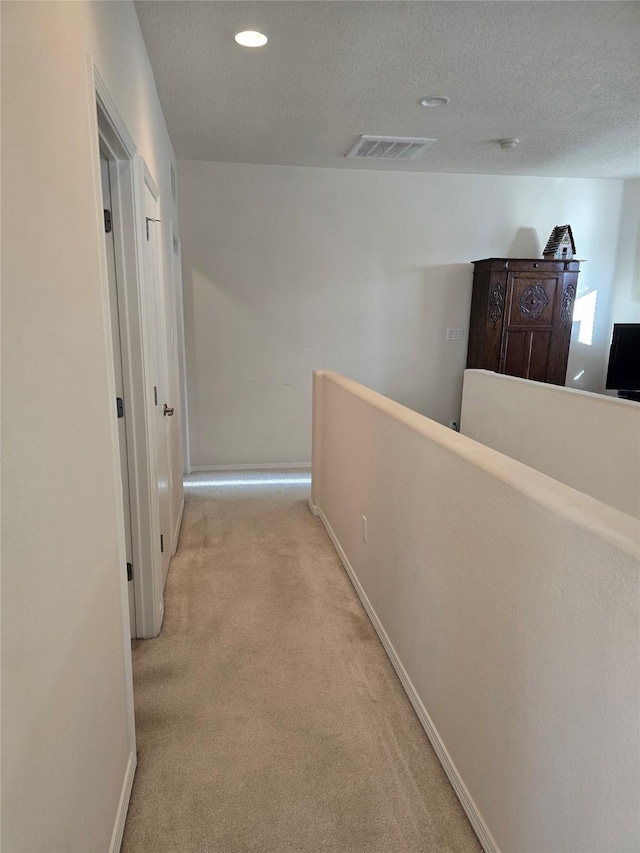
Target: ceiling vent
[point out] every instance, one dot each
(388, 147)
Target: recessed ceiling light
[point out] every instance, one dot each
(434, 101)
(509, 143)
(251, 38)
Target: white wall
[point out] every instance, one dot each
(511, 601)
(625, 301)
(65, 736)
(288, 269)
(625, 304)
(588, 441)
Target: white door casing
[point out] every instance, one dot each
(139, 331)
(105, 125)
(156, 333)
(120, 411)
(136, 316)
(177, 427)
(181, 361)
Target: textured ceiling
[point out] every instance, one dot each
(561, 76)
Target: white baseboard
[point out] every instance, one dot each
(475, 818)
(271, 466)
(123, 805)
(176, 531)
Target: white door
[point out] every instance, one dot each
(156, 331)
(120, 403)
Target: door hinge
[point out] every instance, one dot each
(129, 572)
(148, 220)
(155, 395)
(108, 227)
(120, 407)
(161, 544)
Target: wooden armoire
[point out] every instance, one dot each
(521, 311)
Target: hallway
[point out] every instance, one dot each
(268, 716)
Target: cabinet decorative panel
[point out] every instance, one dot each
(521, 312)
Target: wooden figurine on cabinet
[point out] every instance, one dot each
(521, 313)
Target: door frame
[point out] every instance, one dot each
(106, 152)
(128, 172)
(178, 295)
(156, 375)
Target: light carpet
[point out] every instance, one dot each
(268, 715)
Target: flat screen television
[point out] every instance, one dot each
(623, 373)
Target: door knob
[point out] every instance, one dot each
(168, 411)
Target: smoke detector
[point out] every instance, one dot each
(389, 147)
(434, 101)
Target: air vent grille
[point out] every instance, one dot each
(389, 147)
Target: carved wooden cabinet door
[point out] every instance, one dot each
(521, 317)
(528, 325)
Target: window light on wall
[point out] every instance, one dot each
(584, 313)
